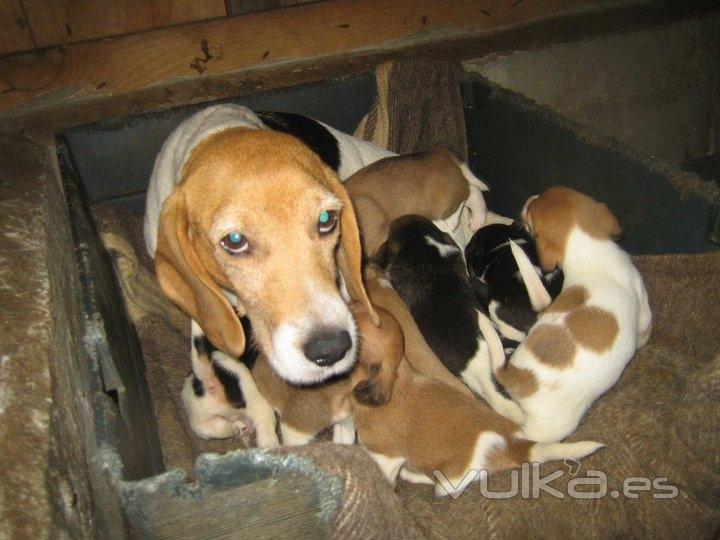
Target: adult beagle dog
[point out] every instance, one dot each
(246, 215)
(581, 343)
(242, 219)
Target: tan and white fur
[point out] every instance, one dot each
(435, 184)
(286, 281)
(582, 341)
(409, 422)
(221, 171)
(303, 411)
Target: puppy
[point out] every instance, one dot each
(406, 420)
(511, 298)
(581, 343)
(427, 270)
(243, 395)
(226, 396)
(221, 397)
(435, 184)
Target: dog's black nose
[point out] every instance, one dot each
(325, 347)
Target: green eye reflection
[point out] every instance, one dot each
(327, 221)
(235, 243)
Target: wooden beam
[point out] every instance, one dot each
(231, 56)
(55, 22)
(15, 34)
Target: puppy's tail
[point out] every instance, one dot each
(539, 297)
(542, 452)
(487, 388)
(495, 346)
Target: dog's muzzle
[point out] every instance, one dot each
(327, 346)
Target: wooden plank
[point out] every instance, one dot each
(55, 22)
(233, 56)
(241, 7)
(133, 62)
(15, 35)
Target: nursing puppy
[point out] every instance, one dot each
(427, 270)
(581, 343)
(220, 395)
(225, 396)
(407, 421)
(511, 297)
(435, 184)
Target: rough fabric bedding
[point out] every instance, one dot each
(661, 421)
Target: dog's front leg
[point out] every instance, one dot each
(344, 431)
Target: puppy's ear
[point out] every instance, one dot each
(550, 250)
(603, 223)
(549, 230)
(384, 255)
(376, 389)
(185, 281)
(381, 351)
(349, 256)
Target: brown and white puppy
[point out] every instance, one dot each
(406, 420)
(255, 225)
(435, 184)
(226, 396)
(581, 343)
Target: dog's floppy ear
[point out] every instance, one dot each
(601, 222)
(381, 351)
(349, 257)
(550, 249)
(376, 389)
(185, 281)
(549, 230)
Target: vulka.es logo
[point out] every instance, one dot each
(528, 483)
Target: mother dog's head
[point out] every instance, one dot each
(258, 219)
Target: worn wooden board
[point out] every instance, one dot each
(249, 53)
(240, 7)
(56, 22)
(15, 35)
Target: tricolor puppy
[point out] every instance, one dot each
(427, 270)
(511, 296)
(581, 343)
(225, 396)
(433, 432)
(253, 221)
(221, 397)
(435, 184)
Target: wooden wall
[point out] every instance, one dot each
(36, 24)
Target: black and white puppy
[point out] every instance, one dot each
(508, 281)
(220, 394)
(427, 270)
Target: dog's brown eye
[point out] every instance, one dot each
(235, 243)
(327, 221)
